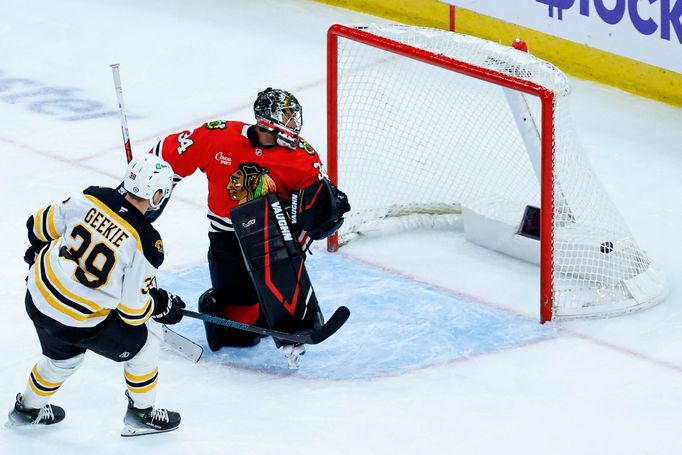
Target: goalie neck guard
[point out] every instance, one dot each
(278, 111)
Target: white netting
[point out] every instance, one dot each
(414, 138)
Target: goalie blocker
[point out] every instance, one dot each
(275, 262)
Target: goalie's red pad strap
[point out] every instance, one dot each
(246, 314)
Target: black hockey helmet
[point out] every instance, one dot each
(279, 111)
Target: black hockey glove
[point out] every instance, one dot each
(30, 255)
(167, 307)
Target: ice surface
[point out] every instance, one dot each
(442, 354)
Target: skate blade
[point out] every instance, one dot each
(13, 422)
(129, 431)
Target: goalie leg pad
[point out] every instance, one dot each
(232, 296)
(217, 336)
(276, 265)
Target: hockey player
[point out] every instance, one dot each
(93, 261)
(243, 163)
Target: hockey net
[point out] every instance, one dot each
(425, 125)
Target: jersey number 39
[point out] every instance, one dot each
(98, 262)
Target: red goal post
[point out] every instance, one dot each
(352, 81)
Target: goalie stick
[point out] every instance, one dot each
(330, 327)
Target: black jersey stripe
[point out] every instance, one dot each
(221, 228)
(158, 149)
(137, 319)
(51, 228)
(43, 224)
(84, 311)
(218, 220)
(131, 316)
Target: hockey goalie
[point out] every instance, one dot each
(268, 198)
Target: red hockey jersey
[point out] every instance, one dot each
(237, 171)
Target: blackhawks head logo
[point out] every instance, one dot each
(249, 182)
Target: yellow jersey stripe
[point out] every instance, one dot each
(142, 377)
(51, 229)
(38, 225)
(138, 320)
(65, 292)
(54, 303)
(114, 216)
(133, 312)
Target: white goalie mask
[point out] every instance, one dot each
(146, 175)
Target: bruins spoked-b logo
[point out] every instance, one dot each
(250, 181)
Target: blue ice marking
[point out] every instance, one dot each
(61, 102)
(396, 325)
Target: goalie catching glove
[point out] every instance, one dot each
(318, 209)
(167, 307)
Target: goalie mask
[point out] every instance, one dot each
(278, 111)
(147, 175)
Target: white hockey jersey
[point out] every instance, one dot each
(100, 255)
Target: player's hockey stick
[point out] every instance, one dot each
(151, 216)
(182, 345)
(122, 111)
(330, 327)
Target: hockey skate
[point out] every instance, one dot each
(150, 420)
(47, 415)
(293, 353)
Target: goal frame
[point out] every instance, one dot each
(545, 95)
